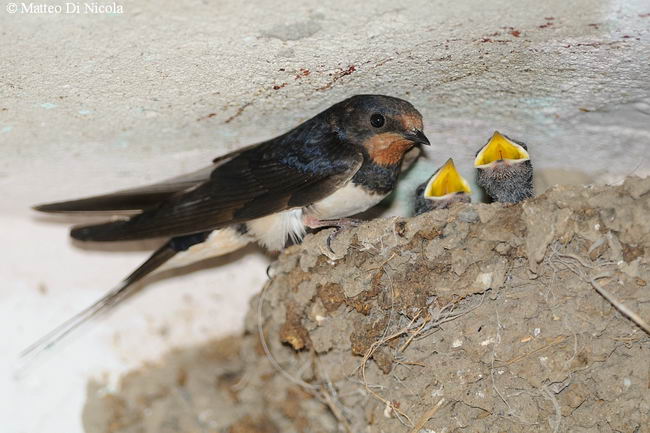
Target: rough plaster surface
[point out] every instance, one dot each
(90, 103)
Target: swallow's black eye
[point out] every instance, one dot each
(377, 120)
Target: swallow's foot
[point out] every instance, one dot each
(338, 224)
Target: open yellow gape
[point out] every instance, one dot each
(500, 148)
(446, 181)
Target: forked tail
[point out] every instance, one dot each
(158, 258)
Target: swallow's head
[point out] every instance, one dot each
(446, 186)
(501, 151)
(386, 127)
(504, 168)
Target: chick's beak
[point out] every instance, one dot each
(446, 181)
(417, 137)
(500, 148)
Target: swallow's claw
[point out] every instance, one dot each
(330, 237)
(346, 223)
(339, 225)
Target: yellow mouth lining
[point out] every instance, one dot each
(446, 181)
(500, 148)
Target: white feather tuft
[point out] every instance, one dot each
(273, 231)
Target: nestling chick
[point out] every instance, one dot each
(504, 169)
(446, 186)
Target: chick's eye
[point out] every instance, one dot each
(377, 120)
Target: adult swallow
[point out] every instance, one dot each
(444, 187)
(338, 163)
(504, 169)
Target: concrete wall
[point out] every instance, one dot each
(96, 102)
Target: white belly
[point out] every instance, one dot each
(345, 202)
(272, 231)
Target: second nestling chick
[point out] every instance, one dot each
(446, 186)
(504, 169)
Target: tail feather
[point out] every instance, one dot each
(113, 297)
(109, 231)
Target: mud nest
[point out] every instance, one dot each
(480, 318)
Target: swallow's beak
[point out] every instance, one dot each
(417, 137)
(446, 181)
(500, 148)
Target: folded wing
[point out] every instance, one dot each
(133, 199)
(271, 177)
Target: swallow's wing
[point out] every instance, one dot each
(135, 200)
(271, 177)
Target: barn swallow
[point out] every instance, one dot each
(337, 164)
(504, 169)
(444, 187)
